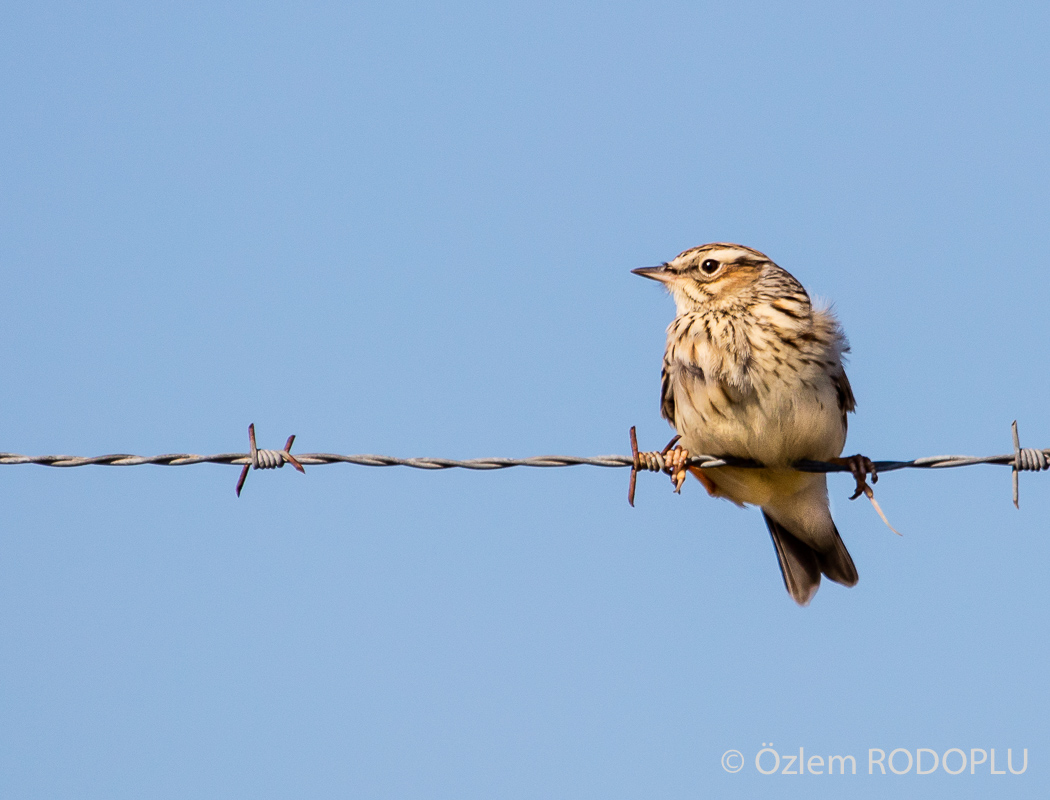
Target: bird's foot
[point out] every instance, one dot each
(860, 466)
(672, 460)
(676, 460)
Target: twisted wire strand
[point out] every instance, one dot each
(1022, 459)
(1031, 460)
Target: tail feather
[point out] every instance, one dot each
(838, 565)
(798, 563)
(801, 565)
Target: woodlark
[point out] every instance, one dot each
(753, 371)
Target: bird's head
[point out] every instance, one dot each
(717, 275)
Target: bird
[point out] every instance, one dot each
(753, 372)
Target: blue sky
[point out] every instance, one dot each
(408, 229)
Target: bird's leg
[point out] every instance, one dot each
(706, 481)
(860, 466)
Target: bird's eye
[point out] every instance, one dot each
(710, 266)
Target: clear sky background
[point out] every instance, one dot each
(407, 229)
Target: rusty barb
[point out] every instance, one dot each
(267, 459)
(1022, 459)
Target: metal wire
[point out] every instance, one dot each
(1031, 461)
(315, 459)
(1022, 459)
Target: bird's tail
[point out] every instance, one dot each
(802, 565)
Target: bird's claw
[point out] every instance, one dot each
(676, 460)
(860, 466)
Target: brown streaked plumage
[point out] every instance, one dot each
(753, 370)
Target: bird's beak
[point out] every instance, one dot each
(662, 273)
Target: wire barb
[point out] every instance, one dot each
(1027, 459)
(634, 466)
(267, 459)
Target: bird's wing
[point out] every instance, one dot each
(844, 395)
(667, 393)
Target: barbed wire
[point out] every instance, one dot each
(1020, 460)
